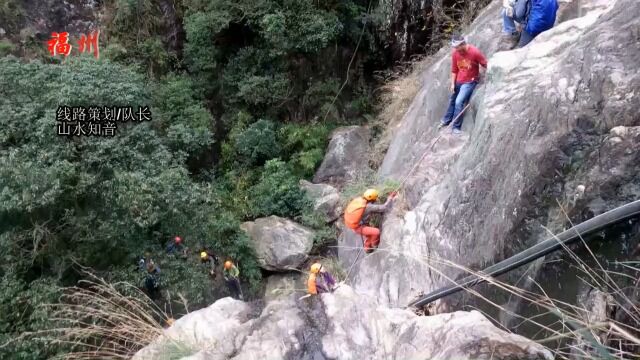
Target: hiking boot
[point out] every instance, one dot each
(442, 124)
(457, 131)
(508, 41)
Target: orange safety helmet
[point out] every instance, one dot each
(228, 264)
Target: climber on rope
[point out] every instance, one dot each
(210, 261)
(232, 279)
(320, 281)
(359, 209)
(533, 16)
(465, 75)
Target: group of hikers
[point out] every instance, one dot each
(208, 260)
(522, 21)
(356, 216)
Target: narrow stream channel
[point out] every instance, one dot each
(561, 279)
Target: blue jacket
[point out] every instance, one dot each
(541, 16)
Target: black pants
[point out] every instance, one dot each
(234, 287)
(152, 286)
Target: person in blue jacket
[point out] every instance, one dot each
(534, 16)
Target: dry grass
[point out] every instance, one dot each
(581, 335)
(98, 320)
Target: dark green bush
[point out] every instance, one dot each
(258, 143)
(277, 192)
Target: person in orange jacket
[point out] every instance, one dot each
(320, 281)
(358, 209)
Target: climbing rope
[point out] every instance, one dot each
(406, 177)
(430, 148)
(356, 260)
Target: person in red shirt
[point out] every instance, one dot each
(465, 75)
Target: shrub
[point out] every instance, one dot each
(304, 145)
(277, 192)
(258, 143)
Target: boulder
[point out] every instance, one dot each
(280, 244)
(326, 199)
(341, 325)
(223, 323)
(346, 158)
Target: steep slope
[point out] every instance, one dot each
(549, 118)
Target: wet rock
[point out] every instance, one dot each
(596, 308)
(345, 325)
(346, 158)
(326, 199)
(280, 244)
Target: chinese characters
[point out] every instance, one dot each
(95, 120)
(59, 44)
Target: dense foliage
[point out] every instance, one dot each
(241, 110)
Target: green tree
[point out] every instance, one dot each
(277, 192)
(258, 143)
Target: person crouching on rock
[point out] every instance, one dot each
(232, 278)
(358, 209)
(320, 281)
(535, 17)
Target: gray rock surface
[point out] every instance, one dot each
(280, 244)
(220, 327)
(410, 25)
(342, 325)
(282, 286)
(346, 158)
(326, 199)
(556, 120)
(596, 308)
(539, 127)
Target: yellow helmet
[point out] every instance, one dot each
(228, 264)
(371, 195)
(315, 268)
(203, 255)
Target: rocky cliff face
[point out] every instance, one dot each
(411, 25)
(555, 120)
(548, 119)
